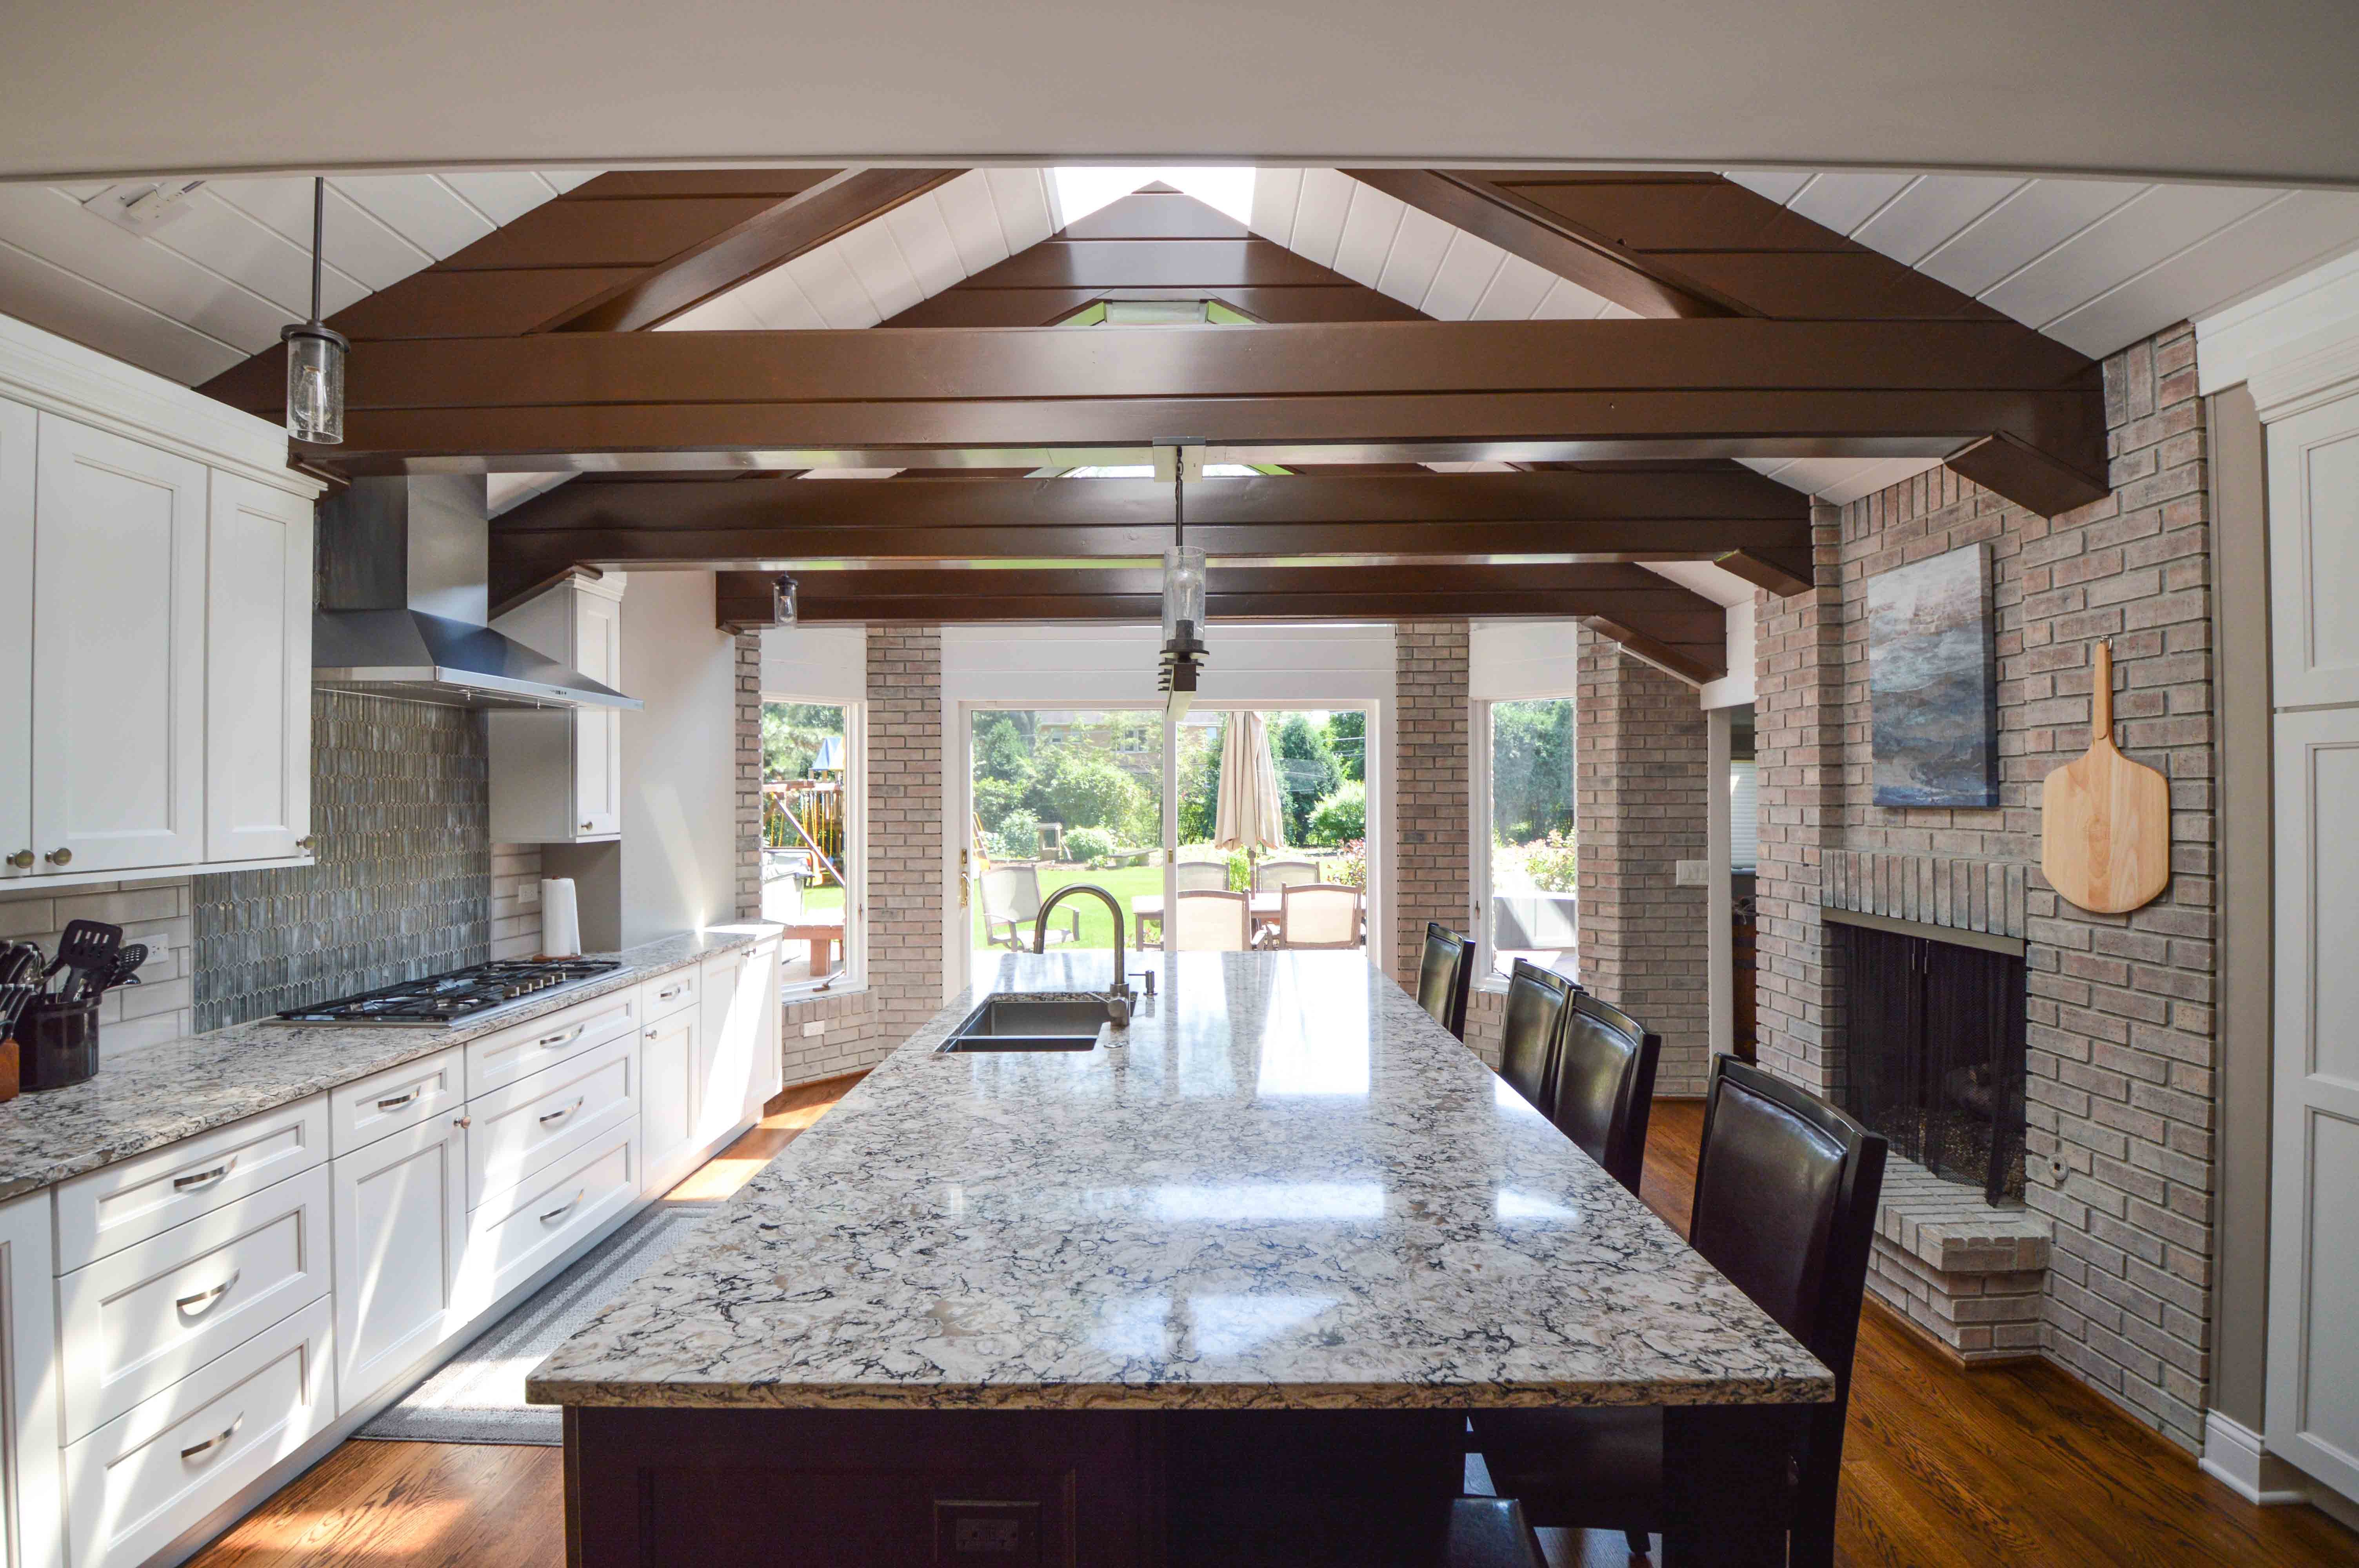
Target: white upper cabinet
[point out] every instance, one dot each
(556, 778)
(118, 653)
(154, 624)
(257, 672)
(18, 424)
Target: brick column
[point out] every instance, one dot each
(905, 826)
(1798, 746)
(1644, 780)
(749, 777)
(1430, 866)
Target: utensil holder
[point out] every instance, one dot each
(57, 1043)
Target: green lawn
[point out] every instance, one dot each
(1097, 929)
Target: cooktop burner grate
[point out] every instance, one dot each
(456, 997)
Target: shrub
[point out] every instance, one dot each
(1342, 816)
(1017, 837)
(994, 798)
(1350, 866)
(1545, 865)
(1083, 790)
(1089, 845)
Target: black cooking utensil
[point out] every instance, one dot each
(20, 962)
(13, 999)
(124, 970)
(88, 948)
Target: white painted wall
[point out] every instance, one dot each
(1510, 659)
(1735, 689)
(1080, 666)
(678, 869)
(822, 664)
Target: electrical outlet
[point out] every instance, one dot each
(1690, 873)
(991, 1534)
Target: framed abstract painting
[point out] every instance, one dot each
(1932, 682)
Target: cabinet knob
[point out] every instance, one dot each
(60, 856)
(307, 842)
(462, 1121)
(585, 827)
(22, 860)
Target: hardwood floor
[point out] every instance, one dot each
(2018, 1466)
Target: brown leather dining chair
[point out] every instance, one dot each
(1447, 969)
(1785, 1205)
(1533, 1029)
(1606, 1086)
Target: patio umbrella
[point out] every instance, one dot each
(1252, 814)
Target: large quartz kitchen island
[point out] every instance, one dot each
(1217, 1290)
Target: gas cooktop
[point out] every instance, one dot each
(462, 996)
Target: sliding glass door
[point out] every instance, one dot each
(1241, 803)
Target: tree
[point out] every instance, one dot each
(1531, 770)
(1307, 773)
(1084, 789)
(1347, 737)
(1200, 783)
(791, 733)
(1341, 816)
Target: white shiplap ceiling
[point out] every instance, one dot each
(202, 291)
(2094, 263)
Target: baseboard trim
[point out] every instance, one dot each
(2234, 1456)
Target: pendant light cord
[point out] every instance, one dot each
(319, 232)
(1178, 499)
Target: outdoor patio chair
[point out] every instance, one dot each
(1318, 915)
(1011, 901)
(1271, 876)
(1202, 876)
(1214, 922)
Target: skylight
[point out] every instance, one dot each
(1083, 190)
(1146, 470)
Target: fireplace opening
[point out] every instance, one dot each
(1934, 1054)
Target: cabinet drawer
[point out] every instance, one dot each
(137, 1482)
(516, 1130)
(533, 1223)
(674, 992)
(519, 1053)
(108, 1210)
(396, 1098)
(140, 1320)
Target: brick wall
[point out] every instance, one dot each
(1430, 865)
(1643, 749)
(749, 775)
(830, 1033)
(2121, 1036)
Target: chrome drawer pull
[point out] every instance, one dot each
(217, 1440)
(398, 1101)
(572, 1033)
(666, 996)
(205, 1178)
(203, 1302)
(561, 1115)
(562, 1207)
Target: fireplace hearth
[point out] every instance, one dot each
(1933, 1054)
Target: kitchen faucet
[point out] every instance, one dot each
(1117, 996)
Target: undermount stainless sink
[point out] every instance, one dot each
(1020, 1023)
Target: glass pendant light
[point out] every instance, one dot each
(1183, 601)
(782, 600)
(315, 355)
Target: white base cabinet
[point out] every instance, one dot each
(671, 1097)
(31, 1496)
(401, 1235)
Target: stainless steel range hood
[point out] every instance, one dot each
(402, 601)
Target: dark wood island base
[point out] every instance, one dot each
(830, 1488)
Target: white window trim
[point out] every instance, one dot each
(855, 977)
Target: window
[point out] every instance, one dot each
(1526, 869)
(810, 828)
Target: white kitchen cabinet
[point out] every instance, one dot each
(400, 1240)
(556, 778)
(17, 428)
(32, 1518)
(258, 672)
(154, 624)
(727, 1046)
(118, 653)
(759, 983)
(670, 1100)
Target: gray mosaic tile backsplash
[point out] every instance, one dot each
(401, 806)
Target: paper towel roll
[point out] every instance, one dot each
(560, 918)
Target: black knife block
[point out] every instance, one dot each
(57, 1043)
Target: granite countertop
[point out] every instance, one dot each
(1285, 1187)
(163, 1093)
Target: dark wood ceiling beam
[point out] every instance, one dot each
(1549, 243)
(1782, 570)
(1731, 387)
(767, 239)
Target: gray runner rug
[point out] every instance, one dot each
(478, 1395)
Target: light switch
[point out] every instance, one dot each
(1690, 873)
